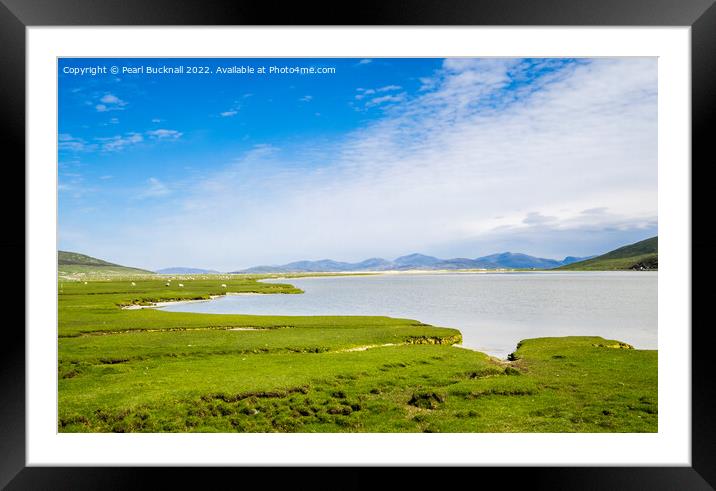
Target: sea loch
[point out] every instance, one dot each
(494, 311)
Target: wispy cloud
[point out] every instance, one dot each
(66, 141)
(110, 102)
(112, 99)
(154, 189)
(365, 61)
(306, 98)
(119, 142)
(115, 143)
(376, 101)
(233, 110)
(388, 88)
(362, 93)
(164, 134)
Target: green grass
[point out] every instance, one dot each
(148, 370)
(643, 254)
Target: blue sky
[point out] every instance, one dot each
(382, 157)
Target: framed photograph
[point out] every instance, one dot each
(420, 237)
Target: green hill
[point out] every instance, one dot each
(73, 263)
(642, 255)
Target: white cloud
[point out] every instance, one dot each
(234, 109)
(66, 141)
(306, 98)
(388, 88)
(110, 102)
(427, 83)
(365, 61)
(386, 98)
(112, 99)
(364, 93)
(164, 134)
(119, 142)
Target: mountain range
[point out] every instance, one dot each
(503, 260)
(643, 255)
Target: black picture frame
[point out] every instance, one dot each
(17, 15)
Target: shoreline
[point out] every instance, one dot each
(502, 356)
(158, 305)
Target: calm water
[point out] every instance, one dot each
(492, 310)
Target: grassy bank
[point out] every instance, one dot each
(147, 370)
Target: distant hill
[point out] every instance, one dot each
(643, 255)
(69, 263)
(180, 270)
(415, 261)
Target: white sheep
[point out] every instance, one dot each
(85, 282)
(134, 284)
(181, 285)
(166, 284)
(223, 285)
